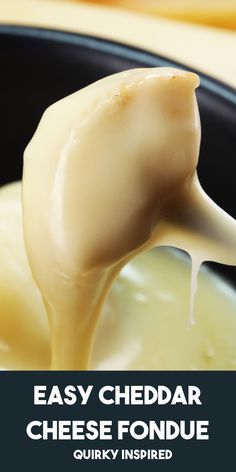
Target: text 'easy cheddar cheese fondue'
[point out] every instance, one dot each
(110, 173)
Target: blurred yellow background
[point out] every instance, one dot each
(221, 13)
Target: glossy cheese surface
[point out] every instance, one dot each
(143, 324)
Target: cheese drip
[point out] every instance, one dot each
(109, 173)
(143, 322)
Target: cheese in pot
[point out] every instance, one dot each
(111, 173)
(143, 323)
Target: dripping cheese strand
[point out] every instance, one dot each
(109, 173)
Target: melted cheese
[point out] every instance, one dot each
(110, 173)
(143, 322)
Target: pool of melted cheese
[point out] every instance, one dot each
(143, 324)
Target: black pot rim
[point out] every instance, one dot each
(107, 46)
